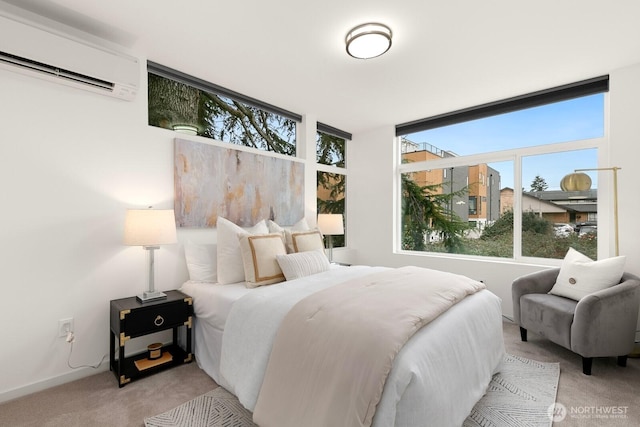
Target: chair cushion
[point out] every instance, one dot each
(549, 316)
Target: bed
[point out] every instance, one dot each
(436, 378)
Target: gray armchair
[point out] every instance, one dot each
(601, 324)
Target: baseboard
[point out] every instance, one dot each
(138, 346)
(50, 382)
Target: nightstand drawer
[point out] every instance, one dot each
(156, 318)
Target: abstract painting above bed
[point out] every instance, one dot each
(212, 181)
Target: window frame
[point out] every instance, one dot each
(592, 86)
(514, 155)
(206, 86)
(335, 170)
(176, 76)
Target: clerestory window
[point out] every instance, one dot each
(187, 104)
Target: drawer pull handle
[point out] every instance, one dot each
(158, 321)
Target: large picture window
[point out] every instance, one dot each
(490, 186)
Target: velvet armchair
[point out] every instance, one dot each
(601, 324)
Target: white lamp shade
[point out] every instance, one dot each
(331, 224)
(149, 227)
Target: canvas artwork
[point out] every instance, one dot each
(242, 187)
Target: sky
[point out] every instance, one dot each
(576, 119)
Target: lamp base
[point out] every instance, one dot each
(147, 296)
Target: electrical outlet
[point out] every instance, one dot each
(65, 326)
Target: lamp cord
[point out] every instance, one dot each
(82, 366)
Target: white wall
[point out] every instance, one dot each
(371, 196)
(74, 161)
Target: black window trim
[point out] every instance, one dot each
(179, 76)
(324, 128)
(535, 99)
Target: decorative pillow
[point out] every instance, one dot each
(298, 226)
(307, 241)
(303, 264)
(580, 275)
(230, 267)
(259, 254)
(201, 262)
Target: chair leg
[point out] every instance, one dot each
(622, 361)
(523, 334)
(586, 365)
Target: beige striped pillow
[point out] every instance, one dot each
(302, 264)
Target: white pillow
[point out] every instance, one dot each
(259, 254)
(230, 267)
(304, 241)
(201, 262)
(303, 264)
(301, 225)
(580, 275)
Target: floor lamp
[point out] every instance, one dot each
(577, 182)
(580, 181)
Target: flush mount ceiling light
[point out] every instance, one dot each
(368, 40)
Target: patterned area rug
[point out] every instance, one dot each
(520, 395)
(218, 408)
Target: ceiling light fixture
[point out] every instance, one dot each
(368, 40)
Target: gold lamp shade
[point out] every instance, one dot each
(577, 181)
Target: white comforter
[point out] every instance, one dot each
(436, 379)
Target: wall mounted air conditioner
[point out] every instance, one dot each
(43, 53)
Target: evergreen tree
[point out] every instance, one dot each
(425, 211)
(218, 117)
(539, 184)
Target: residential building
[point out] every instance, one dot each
(476, 188)
(556, 206)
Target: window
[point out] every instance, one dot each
(506, 167)
(473, 206)
(186, 104)
(330, 149)
(331, 175)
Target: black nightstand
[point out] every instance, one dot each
(131, 319)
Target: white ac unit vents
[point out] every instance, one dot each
(42, 53)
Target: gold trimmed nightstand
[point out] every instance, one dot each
(131, 319)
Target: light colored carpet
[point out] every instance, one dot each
(96, 401)
(520, 395)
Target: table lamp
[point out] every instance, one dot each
(330, 225)
(150, 228)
